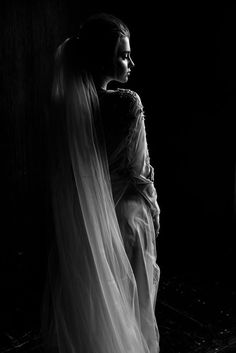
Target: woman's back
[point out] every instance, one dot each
(116, 116)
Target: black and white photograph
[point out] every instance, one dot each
(118, 169)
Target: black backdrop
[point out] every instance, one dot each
(185, 74)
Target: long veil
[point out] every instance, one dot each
(91, 283)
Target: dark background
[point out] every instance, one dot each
(185, 74)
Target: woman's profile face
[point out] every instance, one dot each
(122, 61)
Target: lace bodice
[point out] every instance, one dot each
(123, 118)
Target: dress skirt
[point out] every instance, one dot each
(139, 236)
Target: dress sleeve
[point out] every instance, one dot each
(138, 154)
(138, 157)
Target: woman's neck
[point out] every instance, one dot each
(101, 82)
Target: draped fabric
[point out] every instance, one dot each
(132, 178)
(93, 301)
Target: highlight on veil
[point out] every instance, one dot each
(73, 89)
(68, 64)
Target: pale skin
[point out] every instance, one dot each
(122, 64)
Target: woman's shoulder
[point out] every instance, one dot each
(124, 102)
(128, 94)
(122, 93)
(127, 98)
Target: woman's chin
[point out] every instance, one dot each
(123, 79)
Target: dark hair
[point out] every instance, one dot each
(96, 42)
(90, 50)
(98, 37)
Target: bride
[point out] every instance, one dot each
(102, 280)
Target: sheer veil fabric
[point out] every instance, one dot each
(94, 304)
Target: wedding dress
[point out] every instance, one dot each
(102, 274)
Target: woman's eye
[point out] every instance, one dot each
(125, 56)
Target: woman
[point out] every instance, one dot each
(103, 277)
